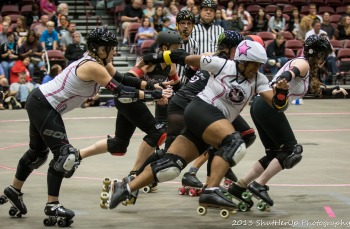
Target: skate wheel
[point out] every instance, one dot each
(107, 181)
(3, 200)
(50, 221)
(70, 222)
(227, 183)
(13, 211)
(201, 210)
(146, 189)
(199, 191)
(105, 188)
(103, 205)
(192, 192)
(247, 196)
(243, 207)
(261, 206)
(62, 223)
(104, 196)
(182, 191)
(224, 213)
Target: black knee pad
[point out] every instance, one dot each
(248, 137)
(117, 146)
(232, 148)
(66, 159)
(270, 155)
(288, 159)
(34, 159)
(156, 135)
(168, 167)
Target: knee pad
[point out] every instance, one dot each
(270, 155)
(156, 135)
(117, 146)
(289, 159)
(248, 137)
(232, 149)
(67, 159)
(33, 159)
(167, 168)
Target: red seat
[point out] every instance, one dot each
(132, 39)
(300, 52)
(268, 42)
(340, 9)
(298, 2)
(9, 9)
(145, 46)
(305, 10)
(335, 18)
(253, 9)
(287, 9)
(347, 44)
(266, 36)
(56, 57)
(286, 17)
(271, 9)
(13, 17)
(334, 2)
(26, 9)
(337, 44)
(281, 2)
(288, 35)
(343, 53)
(245, 2)
(323, 9)
(289, 53)
(263, 2)
(295, 45)
(318, 2)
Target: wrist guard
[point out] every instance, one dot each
(280, 100)
(153, 95)
(128, 95)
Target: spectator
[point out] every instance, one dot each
(313, 13)
(76, 50)
(172, 16)
(260, 21)
(236, 23)
(167, 4)
(49, 38)
(227, 12)
(145, 32)
(316, 29)
(48, 7)
(62, 9)
(156, 19)
(149, 11)
(33, 49)
(21, 30)
(4, 85)
(8, 20)
(131, 13)
(344, 28)
(103, 5)
(38, 29)
(245, 17)
(67, 37)
(21, 89)
(276, 54)
(331, 65)
(166, 24)
(305, 26)
(326, 26)
(195, 11)
(19, 66)
(34, 16)
(63, 26)
(5, 30)
(347, 11)
(189, 5)
(277, 23)
(219, 19)
(54, 71)
(9, 54)
(294, 22)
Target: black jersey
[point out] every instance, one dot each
(190, 90)
(158, 74)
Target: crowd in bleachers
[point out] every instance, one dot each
(32, 33)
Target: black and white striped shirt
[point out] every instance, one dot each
(207, 37)
(192, 48)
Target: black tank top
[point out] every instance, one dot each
(158, 74)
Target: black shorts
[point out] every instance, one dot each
(174, 108)
(198, 116)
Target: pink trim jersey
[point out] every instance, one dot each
(228, 90)
(66, 91)
(298, 86)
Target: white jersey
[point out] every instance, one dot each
(298, 86)
(66, 91)
(228, 90)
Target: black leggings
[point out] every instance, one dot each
(273, 126)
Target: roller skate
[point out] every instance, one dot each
(230, 177)
(191, 185)
(15, 197)
(119, 194)
(215, 199)
(240, 194)
(55, 211)
(150, 188)
(260, 192)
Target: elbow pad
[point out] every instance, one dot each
(280, 100)
(287, 75)
(130, 80)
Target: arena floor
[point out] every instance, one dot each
(315, 194)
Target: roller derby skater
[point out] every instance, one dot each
(15, 197)
(282, 150)
(56, 213)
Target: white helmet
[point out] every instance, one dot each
(250, 51)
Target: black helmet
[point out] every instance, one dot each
(208, 4)
(229, 39)
(317, 47)
(185, 15)
(168, 38)
(100, 37)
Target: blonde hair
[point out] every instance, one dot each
(306, 23)
(50, 23)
